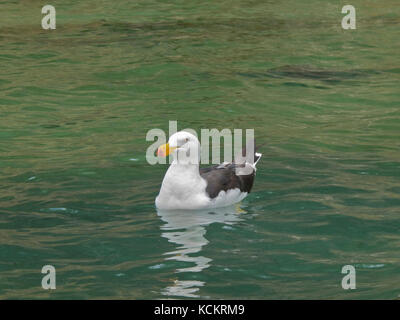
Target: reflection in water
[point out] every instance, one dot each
(187, 229)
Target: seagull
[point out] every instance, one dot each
(186, 186)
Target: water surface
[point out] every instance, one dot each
(76, 191)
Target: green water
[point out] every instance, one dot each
(77, 193)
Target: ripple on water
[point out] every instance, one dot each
(63, 210)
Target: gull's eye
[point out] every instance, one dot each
(187, 139)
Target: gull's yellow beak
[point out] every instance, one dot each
(165, 150)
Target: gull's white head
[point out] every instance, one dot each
(184, 146)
